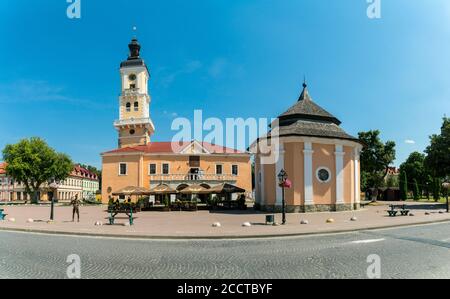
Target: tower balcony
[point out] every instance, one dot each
(134, 122)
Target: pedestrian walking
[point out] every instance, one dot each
(76, 208)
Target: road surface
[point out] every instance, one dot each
(409, 252)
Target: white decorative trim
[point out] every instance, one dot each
(257, 181)
(263, 185)
(195, 142)
(357, 176)
(340, 174)
(279, 167)
(308, 175)
(317, 140)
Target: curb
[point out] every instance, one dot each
(231, 237)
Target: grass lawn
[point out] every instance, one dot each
(442, 200)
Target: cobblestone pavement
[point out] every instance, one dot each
(199, 225)
(409, 252)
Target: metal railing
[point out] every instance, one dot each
(193, 177)
(132, 121)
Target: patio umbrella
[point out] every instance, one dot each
(195, 189)
(226, 188)
(162, 189)
(132, 191)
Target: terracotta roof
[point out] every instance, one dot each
(173, 148)
(77, 171)
(2, 168)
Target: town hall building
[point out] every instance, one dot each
(163, 167)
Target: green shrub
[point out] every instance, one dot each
(437, 189)
(403, 186)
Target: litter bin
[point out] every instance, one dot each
(270, 219)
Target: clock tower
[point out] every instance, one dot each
(134, 124)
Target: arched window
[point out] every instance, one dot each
(136, 106)
(128, 107)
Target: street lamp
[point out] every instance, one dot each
(446, 186)
(282, 179)
(54, 185)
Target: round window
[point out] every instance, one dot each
(132, 132)
(132, 77)
(323, 175)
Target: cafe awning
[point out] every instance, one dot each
(162, 189)
(226, 188)
(132, 191)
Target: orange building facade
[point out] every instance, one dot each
(141, 163)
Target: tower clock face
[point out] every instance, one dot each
(132, 77)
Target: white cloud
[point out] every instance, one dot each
(188, 68)
(409, 141)
(29, 91)
(217, 67)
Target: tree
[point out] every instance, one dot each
(392, 181)
(414, 167)
(437, 189)
(376, 157)
(403, 186)
(438, 153)
(32, 162)
(416, 190)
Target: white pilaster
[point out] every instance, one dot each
(257, 180)
(357, 176)
(309, 191)
(262, 186)
(279, 167)
(339, 174)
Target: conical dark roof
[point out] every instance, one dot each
(306, 109)
(306, 118)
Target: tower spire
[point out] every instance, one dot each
(304, 96)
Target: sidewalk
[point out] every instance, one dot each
(199, 224)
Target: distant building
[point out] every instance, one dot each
(80, 182)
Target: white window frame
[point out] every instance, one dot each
(162, 168)
(126, 169)
(150, 169)
(216, 169)
(237, 167)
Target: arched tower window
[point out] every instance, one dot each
(136, 106)
(128, 107)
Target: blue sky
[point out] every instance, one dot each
(59, 77)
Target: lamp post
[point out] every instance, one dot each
(446, 186)
(282, 178)
(54, 185)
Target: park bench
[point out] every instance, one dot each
(114, 211)
(396, 209)
(2, 215)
